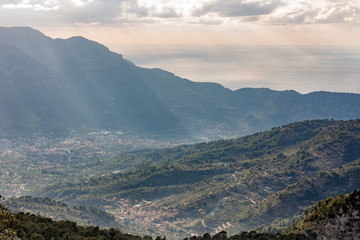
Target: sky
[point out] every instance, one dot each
(256, 22)
(306, 45)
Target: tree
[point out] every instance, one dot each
(6, 218)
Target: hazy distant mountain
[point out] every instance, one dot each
(54, 84)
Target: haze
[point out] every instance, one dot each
(317, 39)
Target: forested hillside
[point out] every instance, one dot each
(84, 216)
(334, 218)
(228, 184)
(30, 226)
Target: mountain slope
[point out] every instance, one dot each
(228, 184)
(333, 218)
(84, 216)
(30, 226)
(56, 84)
(89, 85)
(306, 192)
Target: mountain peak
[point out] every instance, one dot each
(17, 33)
(21, 29)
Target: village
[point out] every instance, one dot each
(156, 218)
(35, 160)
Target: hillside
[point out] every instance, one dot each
(334, 218)
(296, 197)
(227, 185)
(30, 226)
(82, 215)
(58, 84)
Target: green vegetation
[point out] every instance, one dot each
(31, 227)
(333, 218)
(310, 190)
(231, 185)
(6, 218)
(249, 236)
(34, 160)
(84, 216)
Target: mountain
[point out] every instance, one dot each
(227, 185)
(58, 84)
(334, 218)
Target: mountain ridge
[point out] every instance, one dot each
(79, 83)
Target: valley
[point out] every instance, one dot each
(34, 160)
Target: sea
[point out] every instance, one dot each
(301, 68)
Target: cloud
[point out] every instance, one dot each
(208, 20)
(166, 12)
(283, 11)
(327, 11)
(236, 8)
(205, 12)
(36, 5)
(85, 11)
(92, 11)
(71, 11)
(348, 11)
